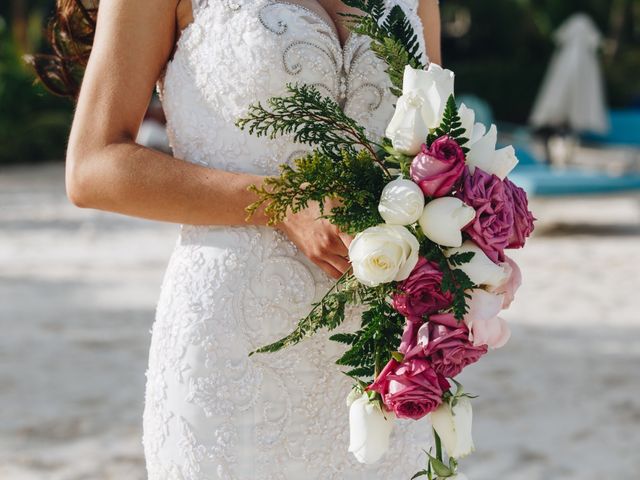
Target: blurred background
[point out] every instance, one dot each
(560, 78)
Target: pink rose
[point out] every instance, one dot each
(510, 286)
(492, 227)
(483, 321)
(421, 294)
(446, 344)
(522, 218)
(439, 168)
(411, 389)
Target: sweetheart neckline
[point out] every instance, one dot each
(188, 30)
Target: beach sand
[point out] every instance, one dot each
(77, 295)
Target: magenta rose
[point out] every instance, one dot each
(438, 169)
(421, 293)
(411, 388)
(522, 218)
(491, 229)
(446, 344)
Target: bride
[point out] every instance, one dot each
(232, 284)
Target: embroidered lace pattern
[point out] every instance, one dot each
(211, 411)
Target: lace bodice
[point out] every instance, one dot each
(211, 411)
(238, 52)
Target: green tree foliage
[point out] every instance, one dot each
(33, 124)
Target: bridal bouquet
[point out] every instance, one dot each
(432, 211)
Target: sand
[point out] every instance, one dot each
(77, 294)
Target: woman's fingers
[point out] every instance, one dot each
(346, 238)
(338, 262)
(329, 269)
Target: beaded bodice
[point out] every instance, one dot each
(238, 52)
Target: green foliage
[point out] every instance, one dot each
(312, 118)
(451, 125)
(392, 38)
(371, 346)
(33, 124)
(454, 280)
(328, 313)
(356, 180)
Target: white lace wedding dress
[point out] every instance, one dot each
(212, 412)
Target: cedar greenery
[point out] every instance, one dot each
(355, 180)
(328, 313)
(312, 118)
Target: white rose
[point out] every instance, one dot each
(444, 218)
(483, 153)
(481, 269)
(383, 253)
(454, 427)
(401, 202)
(420, 107)
(369, 430)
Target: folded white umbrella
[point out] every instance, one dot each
(572, 94)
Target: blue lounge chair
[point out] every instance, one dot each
(541, 180)
(624, 131)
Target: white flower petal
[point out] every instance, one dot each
(481, 269)
(401, 202)
(454, 427)
(369, 430)
(444, 218)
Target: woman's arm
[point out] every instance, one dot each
(105, 168)
(429, 12)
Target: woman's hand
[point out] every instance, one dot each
(318, 239)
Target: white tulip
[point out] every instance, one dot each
(407, 129)
(454, 427)
(467, 118)
(444, 218)
(383, 254)
(420, 107)
(483, 153)
(369, 430)
(401, 202)
(481, 270)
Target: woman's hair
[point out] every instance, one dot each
(70, 33)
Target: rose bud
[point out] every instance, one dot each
(369, 430)
(453, 426)
(401, 202)
(438, 169)
(444, 218)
